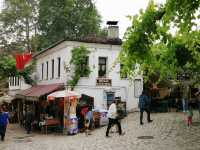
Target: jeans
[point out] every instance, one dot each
(185, 104)
(2, 131)
(112, 122)
(28, 127)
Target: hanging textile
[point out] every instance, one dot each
(22, 60)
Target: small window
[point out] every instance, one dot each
(47, 73)
(102, 67)
(123, 75)
(42, 71)
(59, 60)
(52, 68)
(85, 67)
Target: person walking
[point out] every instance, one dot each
(3, 122)
(144, 105)
(113, 119)
(28, 120)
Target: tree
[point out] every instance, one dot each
(67, 19)
(35, 24)
(18, 22)
(150, 43)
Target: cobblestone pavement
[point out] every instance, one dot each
(168, 131)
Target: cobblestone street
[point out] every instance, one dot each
(168, 131)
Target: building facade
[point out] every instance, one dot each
(104, 82)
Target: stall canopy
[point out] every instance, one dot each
(63, 93)
(35, 92)
(6, 99)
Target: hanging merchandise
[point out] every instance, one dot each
(70, 120)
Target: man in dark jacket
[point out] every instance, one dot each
(28, 120)
(144, 105)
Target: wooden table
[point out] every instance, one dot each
(50, 123)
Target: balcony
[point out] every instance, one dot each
(17, 83)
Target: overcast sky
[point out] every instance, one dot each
(119, 9)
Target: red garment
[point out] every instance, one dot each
(84, 111)
(189, 121)
(61, 104)
(22, 60)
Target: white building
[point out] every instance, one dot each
(103, 83)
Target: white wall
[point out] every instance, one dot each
(87, 85)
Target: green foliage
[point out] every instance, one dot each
(182, 13)
(150, 44)
(36, 24)
(69, 19)
(17, 20)
(78, 60)
(26, 74)
(8, 68)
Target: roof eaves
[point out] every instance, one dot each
(46, 49)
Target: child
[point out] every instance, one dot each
(87, 124)
(189, 116)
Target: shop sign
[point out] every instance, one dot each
(103, 82)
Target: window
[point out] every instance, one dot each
(123, 75)
(52, 68)
(110, 97)
(102, 66)
(42, 71)
(47, 75)
(59, 60)
(85, 67)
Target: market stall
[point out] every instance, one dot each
(67, 99)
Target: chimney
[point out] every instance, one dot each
(113, 29)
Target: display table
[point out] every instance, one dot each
(50, 123)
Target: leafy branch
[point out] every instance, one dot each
(78, 61)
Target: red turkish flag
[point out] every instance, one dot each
(22, 60)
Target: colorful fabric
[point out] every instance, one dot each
(22, 60)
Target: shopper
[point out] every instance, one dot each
(28, 120)
(3, 122)
(144, 105)
(89, 121)
(113, 119)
